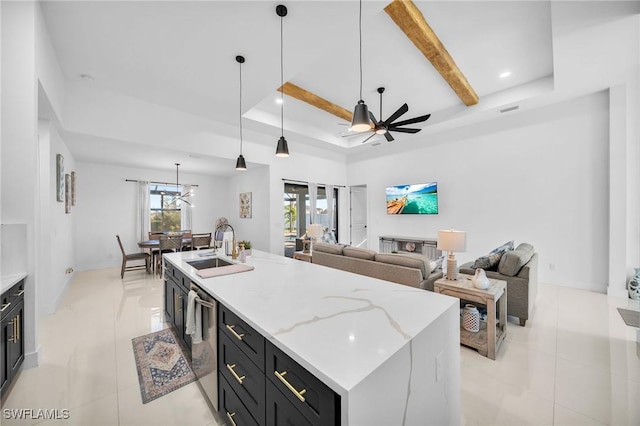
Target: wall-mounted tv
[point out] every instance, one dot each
(413, 199)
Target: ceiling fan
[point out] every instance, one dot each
(384, 127)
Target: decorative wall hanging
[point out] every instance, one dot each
(245, 205)
(59, 178)
(73, 188)
(67, 193)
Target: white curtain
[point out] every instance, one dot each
(313, 196)
(185, 209)
(143, 225)
(329, 191)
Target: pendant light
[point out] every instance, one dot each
(282, 149)
(361, 121)
(240, 163)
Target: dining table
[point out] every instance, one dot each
(152, 245)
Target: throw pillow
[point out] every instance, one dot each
(505, 247)
(436, 263)
(488, 262)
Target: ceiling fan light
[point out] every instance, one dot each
(283, 148)
(240, 163)
(381, 131)
(361, 121)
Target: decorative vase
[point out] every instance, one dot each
(480, 280)
(634, 286)
(471, 318)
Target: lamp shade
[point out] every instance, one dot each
(314, 230)
(240, 163)
(282, 149)
(452, 241)
(361, 121)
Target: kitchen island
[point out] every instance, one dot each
(390, 352)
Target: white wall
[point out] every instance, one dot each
(539, 176)
(107, 206)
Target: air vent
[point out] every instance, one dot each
(511, 108)
(375, 144)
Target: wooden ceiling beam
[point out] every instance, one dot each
(408, 17)
(312, 99)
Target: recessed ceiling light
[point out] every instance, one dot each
(279, 101)
(505, 74)
(86, 77)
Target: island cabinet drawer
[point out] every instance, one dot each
(10, 298)
(313, 399)
(245, 337)
(232, 411)
(280, 411)
(243, 376)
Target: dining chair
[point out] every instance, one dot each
(126, 258)
(201, 241)
(154, 251)
(168, 244)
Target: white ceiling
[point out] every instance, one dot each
(182, 55)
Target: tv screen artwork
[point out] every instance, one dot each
(413, 199)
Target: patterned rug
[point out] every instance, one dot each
(161, 363)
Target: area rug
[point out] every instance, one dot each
(161, 363)
(631, 318)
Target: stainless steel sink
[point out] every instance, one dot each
(214, 262)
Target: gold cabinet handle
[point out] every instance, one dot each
(18, 327)
(19, 293)
(14, 336)
(230, 417)
(179, 303)
(5, 306)
(291, 388)
(231, 329)
(235, 375)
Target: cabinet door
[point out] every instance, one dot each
(184, 298)
(232, 411)
(7, 333)
(15, 346)
(168, 300)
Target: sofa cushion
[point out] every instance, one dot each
(513, 260)
(359, 253)
(409, 260)
(491, 261)
(328, 248)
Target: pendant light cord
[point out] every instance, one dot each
(240, 112)
(360, 34)
(281, 79)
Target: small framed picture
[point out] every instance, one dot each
(60, 178)
(67, 193)
(245, 205)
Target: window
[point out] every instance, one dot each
(165, 212)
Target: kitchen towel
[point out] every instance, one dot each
(191, 313)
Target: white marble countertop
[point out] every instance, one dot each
(338, 325)
(7, 281)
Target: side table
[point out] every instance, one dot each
(300, 255)
(487, 341)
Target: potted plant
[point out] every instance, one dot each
(247, 246)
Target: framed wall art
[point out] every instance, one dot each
(245, 205)
(73, 188)
(59, 178)
(67, 193)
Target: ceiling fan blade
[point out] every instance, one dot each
(373, 118)
(388, 136)
(412, 120)
(404, 130)
(403, 109)
(368, 138)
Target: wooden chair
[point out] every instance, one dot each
(132, 257)
(155, 252)
(168, 244)
(201, 241)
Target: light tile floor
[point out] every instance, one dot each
(575, 363)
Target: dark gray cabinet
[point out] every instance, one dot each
(12, 328)
(176, 293)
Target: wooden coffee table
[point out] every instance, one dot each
(487, 341)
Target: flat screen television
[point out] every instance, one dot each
(413, 199)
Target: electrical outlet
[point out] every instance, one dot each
(68, 270)
(439, 367)
(552, 266)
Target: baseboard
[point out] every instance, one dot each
(32, 359)
(617, 292)
(53, 307)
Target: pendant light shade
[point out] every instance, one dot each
(360, 121)
(282, 150)
(240, 163)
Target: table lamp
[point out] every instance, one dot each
(452, 241)
(314, 231)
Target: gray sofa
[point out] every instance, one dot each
(407, 269)
(519, 268)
